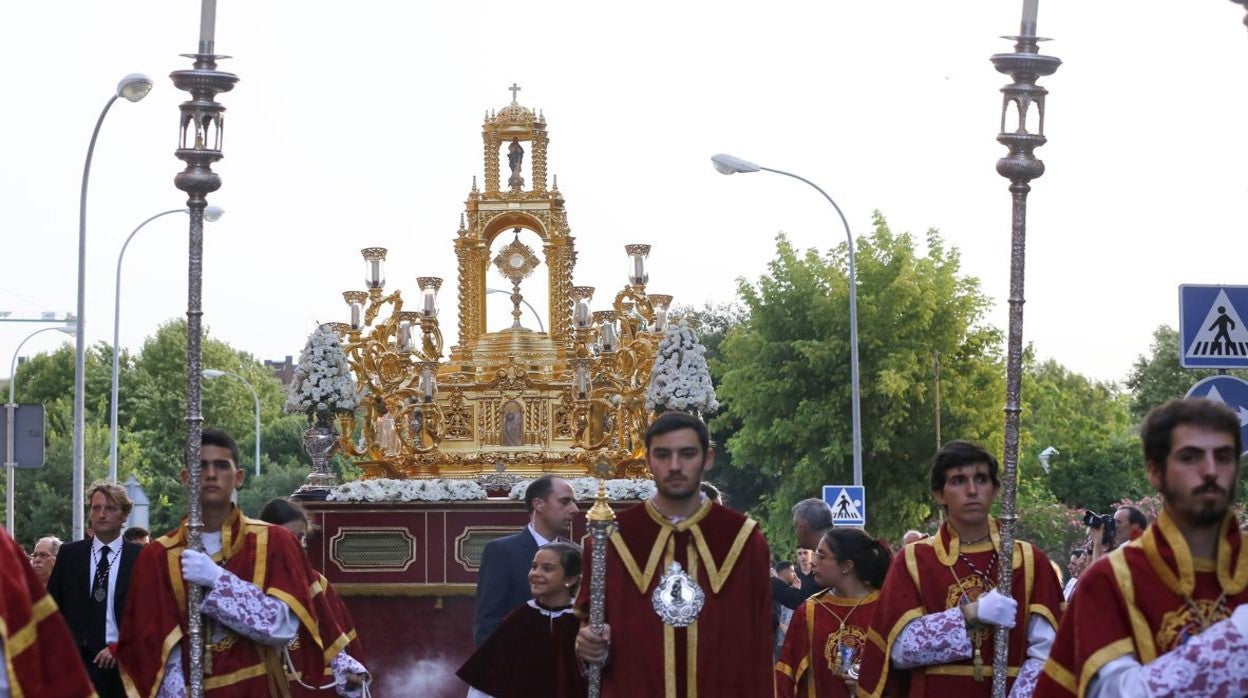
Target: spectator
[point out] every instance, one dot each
(137, 535)
(811, 518)
(1079, 559)
(1129, 524)
(43, 558)
(912, 536)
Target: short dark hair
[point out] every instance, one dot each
(1137, 517)
(1158, 426)
(218, 437)
(280, 511)
(135, 532)
(783, 565)
(958, 453)
(712, 492)
(870, 556)
(569, 559)
(675, 421)
(813, 512)
(538, 489)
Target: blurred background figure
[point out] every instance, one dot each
(137, 535)
(1079, 559)
(43, 559)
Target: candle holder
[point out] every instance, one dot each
(637, 275)
(1025, 65)
(374, 267)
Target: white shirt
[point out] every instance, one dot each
(537, 536)
(114, 564)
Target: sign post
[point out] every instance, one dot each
(849, 504)
(1212, 333)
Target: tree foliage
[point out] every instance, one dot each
(786, 373)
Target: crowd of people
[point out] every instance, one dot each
(694, 603)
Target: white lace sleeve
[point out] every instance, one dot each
(1040, 636)
(343, 664)
(250, 612)
(1213, 663)
(936, 638)
(174, 683)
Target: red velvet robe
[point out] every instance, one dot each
(42, 658)
(1131, 602)
(528, 655)
(921, 580)
(342, 617)
(727, 651)
(809, 657)
(267, 556)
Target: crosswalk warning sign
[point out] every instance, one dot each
(848, 502)
(1223, 332)
(1213, 331)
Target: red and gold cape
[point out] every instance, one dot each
(266, 556)
(1134, 602)
(812, 651)
(727, 651)
(929, 577)
(40, 655)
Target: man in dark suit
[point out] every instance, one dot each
(90, 581)
(503, 578)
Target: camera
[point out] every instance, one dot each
(1105, 522)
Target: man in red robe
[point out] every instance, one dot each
(261, 598)
(1167, 614)
(38, 656)
(726, 650)
(939, 606)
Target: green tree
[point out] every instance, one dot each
(1159, 377)
(786, 381)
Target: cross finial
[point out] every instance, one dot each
(514, 89)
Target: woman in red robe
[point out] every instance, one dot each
(532, 651)
(822, 648)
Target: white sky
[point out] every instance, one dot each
(359, 124)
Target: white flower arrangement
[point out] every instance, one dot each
(389, 490)
(586, 489)
(680, 379)
(322, 381)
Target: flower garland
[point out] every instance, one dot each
(322, 381)
(586, 489)
(390, 490)
(680, 379)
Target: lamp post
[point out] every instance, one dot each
(132, 88)
(217, 373)
(10, 459)
(728, 164)
(212, 213)
(199, 146)
(1020, 166)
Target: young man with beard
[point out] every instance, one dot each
(681, 544)
(1167, 614)
(939, 608)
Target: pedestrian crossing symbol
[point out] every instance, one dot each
(848, 502)
(1211, 326)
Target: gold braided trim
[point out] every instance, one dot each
(691, 631)
(963, 670)
(1235, 581)
(1184, 582)
(251, 672)
(887, 647)
(1061, 676)
(719, 576)
(642, 579)
(1100, 658)
(912, 562)
(1140, 629)
(21, 640)
(669, 633)
(304, 617)
(785, 669)
(262, 555)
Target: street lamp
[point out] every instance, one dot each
(132, 88)
(212, 213)
(217, 373)
(10, 457)
(728, 164)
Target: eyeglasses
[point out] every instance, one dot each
(41, 556)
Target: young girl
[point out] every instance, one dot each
(531, 653)
(827, 633)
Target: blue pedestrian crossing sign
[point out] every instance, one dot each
(848, 502)
(1230, 391)
(1212, 333)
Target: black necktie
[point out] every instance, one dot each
(99, 601)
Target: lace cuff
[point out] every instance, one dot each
(1213, 663)
(248, 611)
(1025, 684)
(936, 638)
(343, 664)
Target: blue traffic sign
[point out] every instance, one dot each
(1230, 391)
(849, 504)
(1212, 333)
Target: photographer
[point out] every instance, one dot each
(1102, 533)
(1129, 524)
